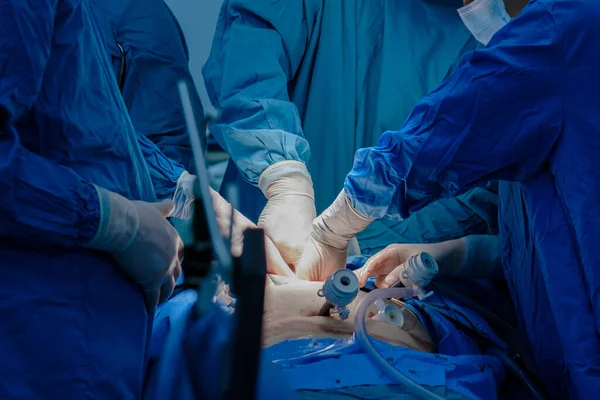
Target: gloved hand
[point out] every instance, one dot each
(327, 247)
(386, 264)
(290, 208)
(184, 196)
(142, 242)
(471, 257)
(275, 263)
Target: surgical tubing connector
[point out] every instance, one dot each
(339, 290)
(418, 271)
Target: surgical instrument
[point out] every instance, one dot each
(417, 272)
(339, 290)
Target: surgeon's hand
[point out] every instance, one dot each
(184, 196)
(386, 265)
(290, 208)
(275, 263)
(327, 246)
(142, 242)
(471, 257)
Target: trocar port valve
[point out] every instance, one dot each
(339, 290)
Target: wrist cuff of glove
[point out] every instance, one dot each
(292, 174)
(339, 223)
(119, 222)
(183, 196)
(184, 175)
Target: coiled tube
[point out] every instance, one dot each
(360, 331)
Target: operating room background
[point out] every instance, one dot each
(198, 19)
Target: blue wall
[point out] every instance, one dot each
(197, 19)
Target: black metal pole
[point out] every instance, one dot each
(249, 287)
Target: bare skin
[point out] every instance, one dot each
(291, 308)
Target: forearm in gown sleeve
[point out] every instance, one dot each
(158, 53)
(482, 257)
(42, 203)
(496, 118)
(164, 172)
(257, 48)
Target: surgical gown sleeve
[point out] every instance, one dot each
(496, 118)
(164, 172)
(257, 48)
(42, 204)
(156, 61)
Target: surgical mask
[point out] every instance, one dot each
(484, 18)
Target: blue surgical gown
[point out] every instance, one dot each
(150, 56)
(334, 74)
(524, 111)
(73, 326)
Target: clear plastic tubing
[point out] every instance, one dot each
(360, 330)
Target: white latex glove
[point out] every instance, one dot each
(386, 265)
(290, 208)
(142, 242)
(472, 257)
(184, 196)
(275, 263)
(327, 247)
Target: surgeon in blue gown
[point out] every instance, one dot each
(150, 56)
(301, 85)
(86, 252)
(524, 111)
